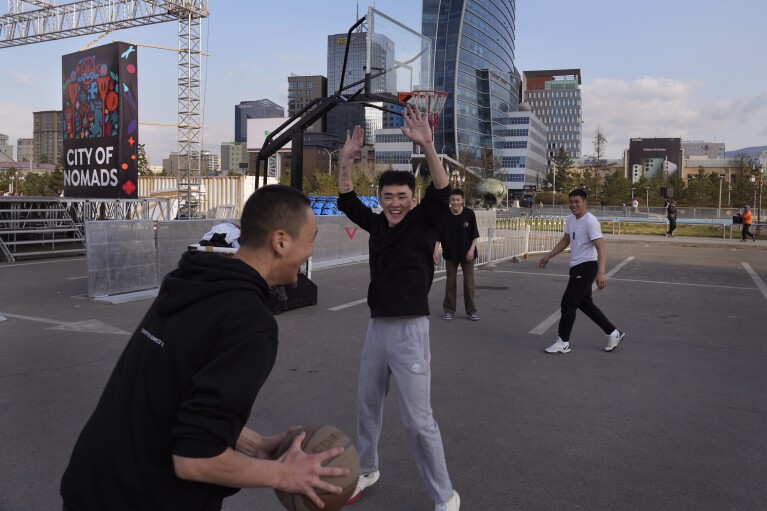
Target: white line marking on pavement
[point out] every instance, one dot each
(365, 300)
(713, 286)
(759, 282)
(16, 265)
(549, 322)
(77, 278)
(89, 325)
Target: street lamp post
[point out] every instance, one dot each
(553, 187)
(647, 199)
(752, 179)
(719, 207)
(756, 173)
(330, 157)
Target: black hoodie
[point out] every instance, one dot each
(184, 385)
(401, 257)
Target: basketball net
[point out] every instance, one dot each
(428, 102)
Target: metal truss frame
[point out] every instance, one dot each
(47, 21)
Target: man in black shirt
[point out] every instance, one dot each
(397, 341)
(458, 236)
(169, 431)
(671, 215)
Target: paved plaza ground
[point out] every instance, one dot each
(674, 419)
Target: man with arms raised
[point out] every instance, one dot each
(397, 341)
(169, 433)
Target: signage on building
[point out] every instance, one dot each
(100, 109)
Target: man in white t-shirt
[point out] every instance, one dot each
(583, 235)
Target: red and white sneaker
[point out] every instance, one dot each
(365, 481)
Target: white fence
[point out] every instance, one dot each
(506, 238)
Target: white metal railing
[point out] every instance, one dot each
(516, 237)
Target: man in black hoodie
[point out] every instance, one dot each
(169, 430)
(397, 342)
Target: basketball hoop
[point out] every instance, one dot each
(428, 102)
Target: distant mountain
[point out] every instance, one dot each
(751, 151)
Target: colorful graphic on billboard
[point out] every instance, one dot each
(100, 108)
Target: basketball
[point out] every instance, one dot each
(318, 439)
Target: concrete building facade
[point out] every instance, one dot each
(48, 136)
(344, 116)
(393, 150)
(520, 145)
(25, 149)
(302, 90)
(6, 151)
(703, 149)
(554, 97)
(234, 157)
(212, 162)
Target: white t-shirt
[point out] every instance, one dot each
(583, 231)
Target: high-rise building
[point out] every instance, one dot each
(261, 109)
(555, 97)
(393, 150)
(302, 90)
(212, 162)
(234, 157)
(6, 151)
(474, 64)
(48, 136)
(345, 116)
(25, 149)
(521, 148)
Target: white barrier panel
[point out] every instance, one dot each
(120, 256)
(223, 194)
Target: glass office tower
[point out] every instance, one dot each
(345, 116)
(474, 64)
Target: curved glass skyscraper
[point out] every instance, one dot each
(474, 63)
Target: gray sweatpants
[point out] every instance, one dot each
(399, 347)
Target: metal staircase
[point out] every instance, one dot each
(37, 226)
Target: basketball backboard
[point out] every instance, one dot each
(399, 58)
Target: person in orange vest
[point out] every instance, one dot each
(747, 220)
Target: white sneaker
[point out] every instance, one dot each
(365, 481)
(614, 339)
(559, 347)
(452, 504)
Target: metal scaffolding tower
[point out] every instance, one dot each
(46, 21)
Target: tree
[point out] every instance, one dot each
(616, 190)
(742, 190)
(142, 161)
(675, 186)
(596, 165)
(285, 180)
(9, 180)
(362, 178)
(702, 189)
(49, 184)
(324, 184)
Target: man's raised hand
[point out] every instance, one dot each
(416, 126)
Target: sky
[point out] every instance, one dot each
(672, 68)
